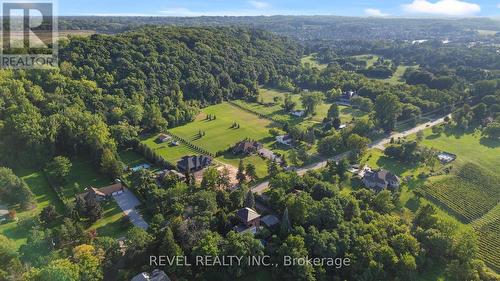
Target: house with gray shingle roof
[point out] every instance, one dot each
(380, 180)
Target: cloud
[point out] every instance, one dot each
(259, 4)
(498, 5)
(442, 7)
(375, 13)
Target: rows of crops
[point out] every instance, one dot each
(469, 194)
(488, 229)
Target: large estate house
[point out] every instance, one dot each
(194, 163)
(247, 147)
(380, 180)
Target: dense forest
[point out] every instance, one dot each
(307, 28)
(110, 88)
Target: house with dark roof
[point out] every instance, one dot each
(105, 193)
(166, 173)
(194, 163)
(156, 275)
(247, 147)
(248, 217)
(380, 180)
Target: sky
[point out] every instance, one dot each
(371, 8)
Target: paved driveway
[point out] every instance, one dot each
(128, 202)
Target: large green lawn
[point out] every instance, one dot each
(169, 152)
(219, 135)
(275, 110)
(44, 197)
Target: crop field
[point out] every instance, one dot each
(489, 243)
(219, 134)
(469, 193)
(472, 192)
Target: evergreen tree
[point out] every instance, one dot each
(250, 200)
(240, 176)
(286, 226)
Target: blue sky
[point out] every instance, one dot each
(378, 8)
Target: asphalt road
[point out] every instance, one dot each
(262, 187)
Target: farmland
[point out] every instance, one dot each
(468, 193)
(471, 191)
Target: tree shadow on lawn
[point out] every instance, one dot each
(394, 166)
(489, 142)
(353, 112)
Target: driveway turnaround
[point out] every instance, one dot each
(128, 202)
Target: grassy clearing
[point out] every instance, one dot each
(313, 62)
(469, 147)
(83, 175)
(169, 152)
(44, 197)
(234, 160)
(113, 222)
(218, 133)
(369, 59)
(275, 111)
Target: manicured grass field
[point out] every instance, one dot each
(44, 197)
(469, 147)
(234, 160)
(219, 135)
(84, 175)
(113, 222)
(170, 153)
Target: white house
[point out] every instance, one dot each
(298, 113)
(285, 140)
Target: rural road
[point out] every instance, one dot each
(262, 187)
